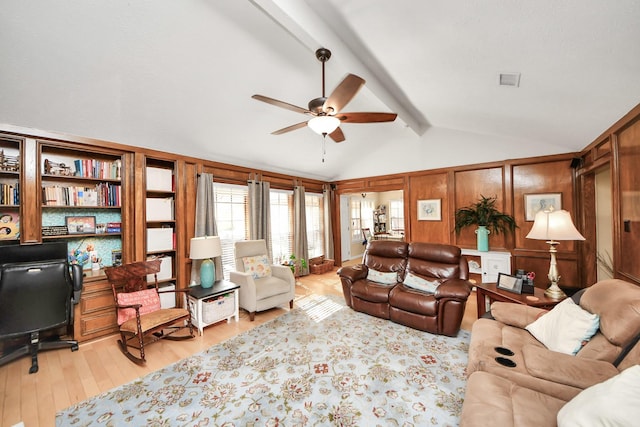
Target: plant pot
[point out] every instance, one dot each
(482, 238)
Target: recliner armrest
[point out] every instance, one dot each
(454, 288)
(354, 272)
(566, 369)
(241, 278)
(283, 272)
(518, 315)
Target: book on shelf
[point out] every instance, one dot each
(114, 227)
(103, 194)
(10, 194)
(100, 169)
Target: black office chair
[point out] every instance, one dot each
(36, 297)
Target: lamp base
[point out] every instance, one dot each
(555, 292)
(207, 273)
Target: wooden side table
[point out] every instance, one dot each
(487, 293)
(198, 294)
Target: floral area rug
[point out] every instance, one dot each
(319, 364)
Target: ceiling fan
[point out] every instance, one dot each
(326, 112)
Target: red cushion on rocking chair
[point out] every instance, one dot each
(148, 298)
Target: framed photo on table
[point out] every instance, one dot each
(533, 203)
(429, 210)
(81, 224)
(506, 282)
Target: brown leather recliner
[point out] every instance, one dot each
(439, 312)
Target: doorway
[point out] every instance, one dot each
(369, 210)
(604, 223)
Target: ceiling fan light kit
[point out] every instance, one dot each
(326, 113)
(323, 125)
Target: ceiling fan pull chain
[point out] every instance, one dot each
(324, 149)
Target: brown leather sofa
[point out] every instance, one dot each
(542, 382)
(439, 312)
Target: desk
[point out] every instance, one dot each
(198, 294)
(487, 293)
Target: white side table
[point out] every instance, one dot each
(198, 294)
(491, 263)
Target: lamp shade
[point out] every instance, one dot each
(554, 225)
(323, 124)
(205, 247)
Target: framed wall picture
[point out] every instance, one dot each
(429, 210)
(533, 203)
(509, 283)
(81, 224)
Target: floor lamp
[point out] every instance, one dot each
(206, 248)
(552, 225)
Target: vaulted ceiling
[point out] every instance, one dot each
(178, 76)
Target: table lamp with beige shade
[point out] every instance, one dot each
(554, 225)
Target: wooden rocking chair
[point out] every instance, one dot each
(141, 319)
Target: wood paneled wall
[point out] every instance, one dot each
(619, 149)
(508, 181)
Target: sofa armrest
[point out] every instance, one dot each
(454, 288)
(566, 369)
(518, 315)
(353, 272)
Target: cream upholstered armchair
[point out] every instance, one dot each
(262, 285)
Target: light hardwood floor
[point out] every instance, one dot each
(67, 377)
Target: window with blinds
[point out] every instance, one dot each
(231, 219)
(396, 211)
(315, 224)
(281, 225)
(356, 225)
(366, 213)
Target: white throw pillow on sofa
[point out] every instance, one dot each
(615, 402)
(565, 328)
(424, 285)
(390, 278)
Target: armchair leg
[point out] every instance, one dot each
(291, 304)
(252, 316)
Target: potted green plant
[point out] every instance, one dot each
(297, 265)
(484, 214)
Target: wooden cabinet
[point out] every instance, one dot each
(95, 314)
(485, 266)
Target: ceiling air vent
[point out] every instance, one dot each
(510, 79)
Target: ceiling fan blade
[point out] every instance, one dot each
(366, 117)
(337, 135)
(289, 128)
(342, 94)
(282, 104)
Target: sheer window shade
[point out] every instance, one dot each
(231, 219)
(315, 224)
(281, 225)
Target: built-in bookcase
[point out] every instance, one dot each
(81, 203)
(10, 155)
(160, 224)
